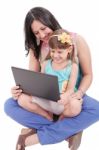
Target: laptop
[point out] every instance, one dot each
(37, 84)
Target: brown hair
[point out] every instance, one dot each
(55, 43)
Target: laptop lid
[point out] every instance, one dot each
(37, 84)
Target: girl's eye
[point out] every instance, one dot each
(59, 52)
(52, 51)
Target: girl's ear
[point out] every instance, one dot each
(70, 49)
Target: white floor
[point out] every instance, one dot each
(12, 14)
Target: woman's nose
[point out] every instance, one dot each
(42, 34)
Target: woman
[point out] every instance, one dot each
(39, 25)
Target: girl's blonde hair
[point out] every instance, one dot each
(63, 39)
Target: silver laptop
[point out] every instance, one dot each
(37, 84)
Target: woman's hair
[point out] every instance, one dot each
(63, 39)
(45, 17)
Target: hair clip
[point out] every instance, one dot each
(65, 38)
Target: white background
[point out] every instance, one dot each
(79, 16)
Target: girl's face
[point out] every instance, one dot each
(41, 31)
(59, 56)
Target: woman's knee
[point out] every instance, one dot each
(91, 105)
(9, 104)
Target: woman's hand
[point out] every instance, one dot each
(77, 95)
(16, 92)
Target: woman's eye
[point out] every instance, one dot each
(43, 28)
(36, 33)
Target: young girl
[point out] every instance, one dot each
(64, 65)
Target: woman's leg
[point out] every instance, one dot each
(70, 126)
(75, 141)
(24, 117)
(47, 130)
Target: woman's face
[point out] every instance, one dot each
(41, 31)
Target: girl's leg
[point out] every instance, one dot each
(67, 127)
(50, 106)
(24, 117)
(73, 108)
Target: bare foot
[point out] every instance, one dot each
(75, 141)
(22, 137)
(31, 140)
(25, 130)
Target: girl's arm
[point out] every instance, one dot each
(71, 84)
(73, 79)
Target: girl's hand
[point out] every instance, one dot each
(64, 99)
(16, 92)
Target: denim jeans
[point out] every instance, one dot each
(50, 132)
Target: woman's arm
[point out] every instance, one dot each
(84, 57)
(25, 100)
(43, 65)
(34, 63)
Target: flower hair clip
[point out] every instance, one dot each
(65, 38)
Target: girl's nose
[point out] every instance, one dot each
(56, 54)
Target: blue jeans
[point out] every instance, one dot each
(50, 132)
